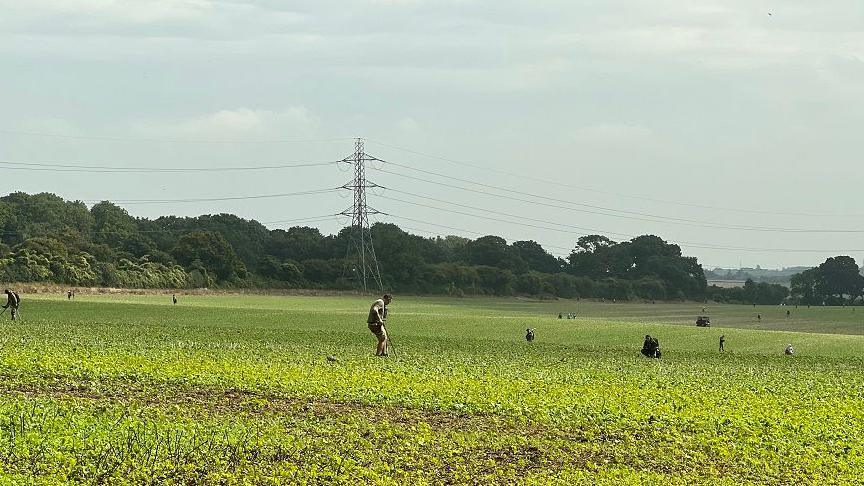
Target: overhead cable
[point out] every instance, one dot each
(527, 176)
(174, 140)
(54, 167)
(599, 210)
(182, 200)
(559, 227)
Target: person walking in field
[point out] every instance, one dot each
(12, 303)
(722, 342)
(376, 322)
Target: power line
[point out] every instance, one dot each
(169, 140)
(53, 167)
(462, 230)
(230, 198)
(524, 176)
(433, 233)
(183, 200)
(554, 228)
(557, 228)
(309, 219)
(638, 216)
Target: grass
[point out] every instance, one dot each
(233, 389)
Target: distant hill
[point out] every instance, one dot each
(782, 276)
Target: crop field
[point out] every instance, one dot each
(276, 390)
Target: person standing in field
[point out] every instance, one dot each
(12, 303)
(376, 322)
(174, 298)
(722, 342)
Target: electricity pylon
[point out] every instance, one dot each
(361, 260)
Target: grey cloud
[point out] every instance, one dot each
(700, 101)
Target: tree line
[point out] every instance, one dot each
(48, 239)
(837, 281)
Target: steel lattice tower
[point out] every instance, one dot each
(361, 260)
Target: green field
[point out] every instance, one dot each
(239, 389)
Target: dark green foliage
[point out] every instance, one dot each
(536, 258)
(322, 272)
(212, 252)
(836, 281)
(47, 239)
(645, 266)
(761, 293)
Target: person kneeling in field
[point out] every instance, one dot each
(651, 347)
(377, 316)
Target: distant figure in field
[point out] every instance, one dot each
(12, 303)
(560, 316)
(69, 295)
(174, 298)
(376, 320)
(651, 347)
(759, 316)
(529, 335)
(789, 351)
(703, 310)
(788, 314)
(722, 342)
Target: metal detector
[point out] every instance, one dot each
(389, 343)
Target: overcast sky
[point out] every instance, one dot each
(702, 122)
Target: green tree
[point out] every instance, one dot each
(840, 277)
(213, 252)
(493, 251)
(536, 257)
(298, 243)
(805, 287)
